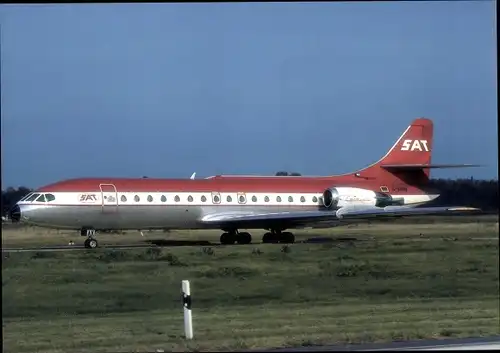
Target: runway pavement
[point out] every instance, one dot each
(476, 343)
(75, 248)
(172, 243)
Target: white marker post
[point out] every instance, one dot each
(186, 300)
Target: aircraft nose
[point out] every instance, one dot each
(15, 214)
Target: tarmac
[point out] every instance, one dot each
(475, 343)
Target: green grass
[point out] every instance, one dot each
(390, 288)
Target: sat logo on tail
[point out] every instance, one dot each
(415, 145)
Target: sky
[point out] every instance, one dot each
(165, 90)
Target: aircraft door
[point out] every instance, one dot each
(109, 198)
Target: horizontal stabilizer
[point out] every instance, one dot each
(425, 166)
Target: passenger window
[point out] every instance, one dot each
(137, 198)
(177, 198)
(266, 199)
(229, 199)
(242, 199)
(49, 197)
(203, 198)
(278, 198)
(32, 197)
(302, 199)
(315, 199)
(163, 198)
(190, 198)
(123, 198)
(290, 199)
(254, 198)
(41, 198)
(150, 198)
(216, 198)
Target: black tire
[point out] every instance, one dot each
(287, 238)
(269, 238)
(244, 238)
(227, 239)
(91, 243)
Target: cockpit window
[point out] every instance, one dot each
(32, 197)
(49, 197)
(41, 198)
(26, 196)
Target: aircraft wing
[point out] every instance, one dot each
(307, 218)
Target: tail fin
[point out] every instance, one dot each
(409, 159)
(414, 146)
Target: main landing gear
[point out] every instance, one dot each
(229, 238)
(90, 242)
(275, 236)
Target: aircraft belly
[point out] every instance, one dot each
(151, 217)
(121, 217)
(72, 217)
(142, 217)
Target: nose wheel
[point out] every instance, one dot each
(91, 243)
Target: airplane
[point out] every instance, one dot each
(394, 186)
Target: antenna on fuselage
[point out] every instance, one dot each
(192, 176)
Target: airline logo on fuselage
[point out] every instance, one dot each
(87, 198)
(415, 145)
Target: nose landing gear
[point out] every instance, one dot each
(90, 242)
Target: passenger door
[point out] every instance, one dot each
(109, 198)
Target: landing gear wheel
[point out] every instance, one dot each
(227, 239)
(269, 238)
(91, 243)
(244, 238)
(287, 238)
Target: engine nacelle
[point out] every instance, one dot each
(331, 198)
(337, 197)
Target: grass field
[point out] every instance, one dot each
(409, 281)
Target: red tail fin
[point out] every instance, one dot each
(414, 147)
(408, 162)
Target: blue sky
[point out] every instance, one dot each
(164, 90)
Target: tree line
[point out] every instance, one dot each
(482, 194)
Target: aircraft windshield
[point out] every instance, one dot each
(32, 197)
(26, 196)
(41, 198)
